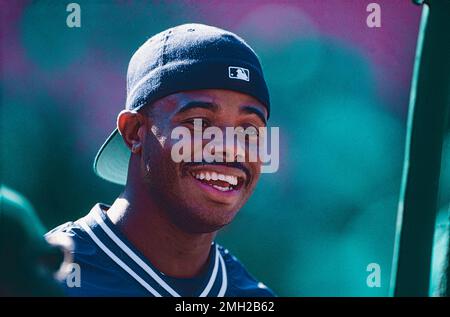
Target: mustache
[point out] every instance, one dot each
(228, 164)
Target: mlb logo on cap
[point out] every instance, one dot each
(241, 73)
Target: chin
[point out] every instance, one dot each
(201, 220)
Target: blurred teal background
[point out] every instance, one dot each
(339, 92)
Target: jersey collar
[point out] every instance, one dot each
(112, 242)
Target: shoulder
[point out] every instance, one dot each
(240, 282)
(98, 274)
(80, 242)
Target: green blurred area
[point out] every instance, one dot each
(23, 270)
(310, 229)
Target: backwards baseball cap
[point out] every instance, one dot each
(185, 57)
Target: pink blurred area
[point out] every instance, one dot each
(390, 49)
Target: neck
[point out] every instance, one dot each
(146, 225)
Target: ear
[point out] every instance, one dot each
(129, 124)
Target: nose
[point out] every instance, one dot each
(227, 147)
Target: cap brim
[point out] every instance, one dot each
(111, 161)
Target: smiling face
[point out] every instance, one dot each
(198, 196)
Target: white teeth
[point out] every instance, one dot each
(230, 179)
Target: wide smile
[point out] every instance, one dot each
(219, 181)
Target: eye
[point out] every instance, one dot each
(250, 131)
(198, 124)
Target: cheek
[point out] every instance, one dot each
(256, 173)
(158, 158)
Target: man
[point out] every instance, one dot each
(157, 237)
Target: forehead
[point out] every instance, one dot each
(221, 97)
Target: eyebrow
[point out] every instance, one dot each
(214, 107)
(198, 104)
(256, 111)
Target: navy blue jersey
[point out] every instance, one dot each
(110, 265)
